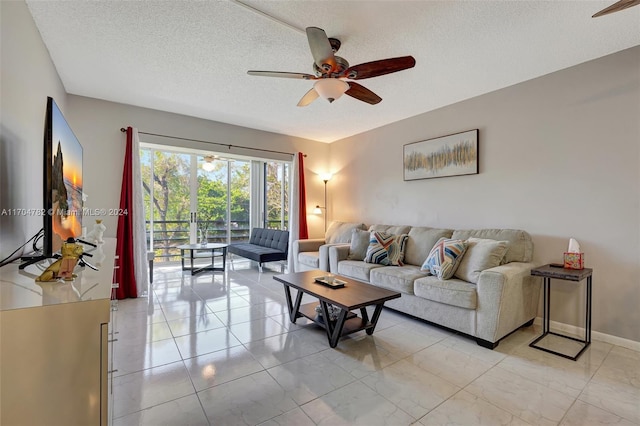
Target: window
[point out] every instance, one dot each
(187, 194)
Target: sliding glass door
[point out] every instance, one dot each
(276, 176)
(188, 195)
(223, 207)
(166, 180)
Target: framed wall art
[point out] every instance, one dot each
(451, 155)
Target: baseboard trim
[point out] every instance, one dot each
(595, 335)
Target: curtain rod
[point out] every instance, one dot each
(229, 146)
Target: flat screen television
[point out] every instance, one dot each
(62, 185)
(62, 181)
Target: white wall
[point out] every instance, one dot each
(559, 158)
(27, 78)
(97, 125)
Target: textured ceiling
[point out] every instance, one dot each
(191, 57)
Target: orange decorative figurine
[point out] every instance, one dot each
(63, 267)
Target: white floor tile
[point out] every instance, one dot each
(194, 324)
(355, 404)
(466, 409)
(154, 386)
(205, 342)
(227, 336)
(582, 414)
(309, 377)
(220, 367)
(528, 400)
(182, 411)
(246, 401)
(131, 357)
(411, 388)
(257, 329)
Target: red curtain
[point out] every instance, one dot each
(125, 274)
(304, 231)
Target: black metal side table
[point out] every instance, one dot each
(216, 249)
(577, 275)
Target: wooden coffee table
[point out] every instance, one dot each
(354, 295)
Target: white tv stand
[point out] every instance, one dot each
(55, 344)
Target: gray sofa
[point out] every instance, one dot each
(504, 298)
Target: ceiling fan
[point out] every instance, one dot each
(209, 159)
(616, 7)
(331, 71)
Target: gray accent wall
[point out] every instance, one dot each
(28, 76)
(559, 158)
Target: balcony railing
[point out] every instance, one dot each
(169, 234)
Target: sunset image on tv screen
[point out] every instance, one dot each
(66, 181)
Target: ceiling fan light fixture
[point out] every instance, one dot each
(208, 163)
(330, 88)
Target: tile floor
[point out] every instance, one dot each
(218, 349)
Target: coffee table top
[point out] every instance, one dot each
(209, 246)
(353, 295)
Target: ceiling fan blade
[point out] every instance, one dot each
(321, 49)
(280, 74)
(616, 7)
(308, 97)
(376, 68)
(362, 93)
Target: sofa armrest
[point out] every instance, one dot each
(301, 246)
(324, 255)
(307, 245)
(507, 298)
(337, 253)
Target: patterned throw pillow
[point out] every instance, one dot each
(386, 249)
(444, 258)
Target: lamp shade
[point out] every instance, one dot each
(330, 88)
(317, 210)
(326, 176)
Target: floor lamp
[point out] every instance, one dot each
(318, 210)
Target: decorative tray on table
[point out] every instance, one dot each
(330, 281)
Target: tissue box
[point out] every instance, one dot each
(574, 260)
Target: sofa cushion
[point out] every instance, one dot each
(256, 252)
(359, 244)
(271, 238)
(421, 241)
(391, 229)
(386, 249)
(520, 247)
(340, 232)
(452, 292)
(398, 279)
(481, 254)
(444, 258)
(310, 259)
(356, 269)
